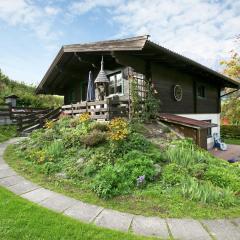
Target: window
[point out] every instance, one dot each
(201, 92)
(209, 130)
(116, 83)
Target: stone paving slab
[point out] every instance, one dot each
(222, 229)
(38, 195)
(10, 181)
(237, 221)
(7, 173)
(4, 166)
(187, 229)
(114, 220)
(1, 160)
(23, 187)
(58, 202)
(83, 211)
(150, 226)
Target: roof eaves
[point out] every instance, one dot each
(53, 64)
(188, 60)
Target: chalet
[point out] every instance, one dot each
(188, 91)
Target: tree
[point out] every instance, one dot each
(231, 106)
(232, 66)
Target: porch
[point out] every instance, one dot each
(100, 110)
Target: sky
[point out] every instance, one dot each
(33, 31)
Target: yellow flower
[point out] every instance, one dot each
(84, 117)
(49, 124)
(118, 129)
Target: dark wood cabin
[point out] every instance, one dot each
(184, 87)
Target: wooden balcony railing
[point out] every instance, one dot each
(105, 110)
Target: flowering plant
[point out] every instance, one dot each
(84, 117)
(118, 129)
(49, 124)
(140, 181)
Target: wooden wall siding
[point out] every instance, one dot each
(165, 77)
(209, 104)
(199, 136)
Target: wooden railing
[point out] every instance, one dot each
(36, 119)
(15, 112)
(106, 109)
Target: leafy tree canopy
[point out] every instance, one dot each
(231, 106)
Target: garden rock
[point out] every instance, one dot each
(158, 169)
(80, 161)
(61, 175)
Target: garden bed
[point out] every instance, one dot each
(117, 167)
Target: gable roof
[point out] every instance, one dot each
(140, 45)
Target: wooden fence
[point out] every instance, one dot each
(105, 110)
(13, 113)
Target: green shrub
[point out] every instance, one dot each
(223, 177)
(97, 159)
(120, 178)
(137, 164)
(198, 170)
(173, 174)
(94, 138)
(184, 153)
(103, 127)
(206, 192)
(49, 168)
(55, 150)
(230, 131)
(134, 141)
(72, 137)
(110, 182)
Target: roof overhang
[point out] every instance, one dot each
(184, 121)
(140, 47)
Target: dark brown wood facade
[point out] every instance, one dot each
(165, 78)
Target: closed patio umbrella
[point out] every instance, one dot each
(90, 88)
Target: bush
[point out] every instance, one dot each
(173, 174)
(94, 138)
(103, 127)
(134, 141)
(230, 131)
(120, 178)
(72, 137)
(223, 177)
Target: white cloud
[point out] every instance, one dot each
(81, 7)
(25, 13)
(52, 10)
(201, 29)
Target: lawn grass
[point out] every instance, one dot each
(20, 219)
(152, 201)
(7, 132)
(232, 141)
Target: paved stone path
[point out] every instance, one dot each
(182, 229)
